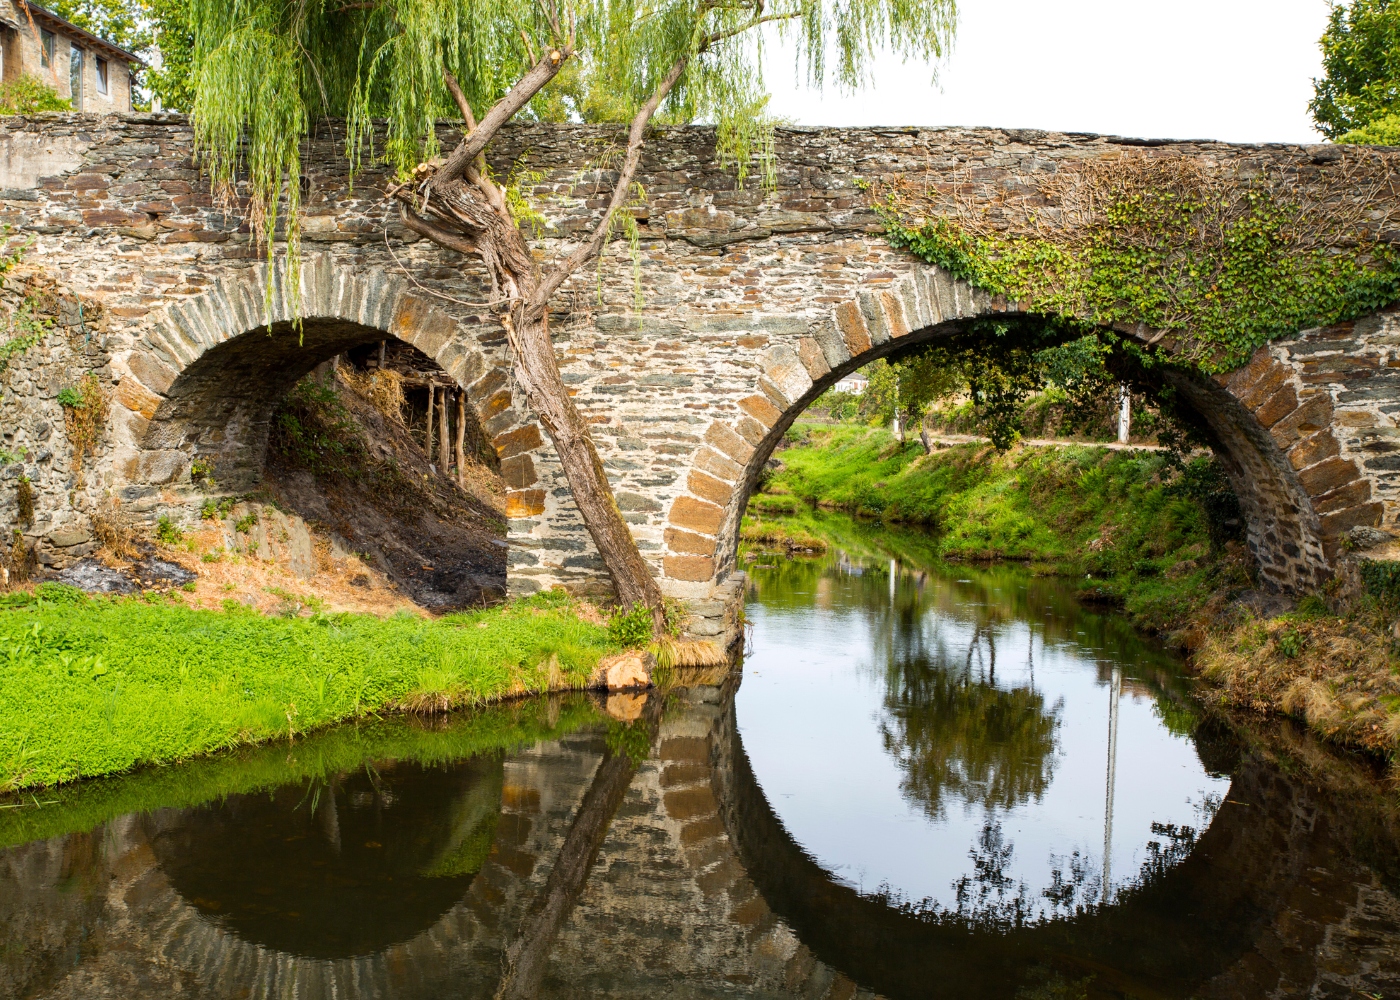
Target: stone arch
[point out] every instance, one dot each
(208, 371)
(1270, 430)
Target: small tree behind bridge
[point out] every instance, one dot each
(267, 69)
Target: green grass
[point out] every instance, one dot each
(1121, 517)
(79, 807)
(95, 686)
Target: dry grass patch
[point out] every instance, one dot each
(1336, 674)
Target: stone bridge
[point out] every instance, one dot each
(754, 303)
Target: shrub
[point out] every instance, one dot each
(114, 531)
(27, 95)
(631, 628)
(167, 532)
(1381, 578)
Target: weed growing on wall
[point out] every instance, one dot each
(26, 318)
(84, 414)
(1219, 261)
(24, 499)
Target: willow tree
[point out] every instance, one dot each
(266, 70)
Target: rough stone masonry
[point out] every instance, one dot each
(691, 360)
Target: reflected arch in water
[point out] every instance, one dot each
(1190, 926)
(336, 870)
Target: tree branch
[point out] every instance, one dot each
(476, 139)
(441, 237)
(476, 171)
(720, 36)
(591, 248)
(456, 90)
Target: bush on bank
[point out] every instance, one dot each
(97, 685)
(1083, 508)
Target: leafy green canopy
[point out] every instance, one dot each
(122, 22)
(266, 70)
(1358, 97)
(998, 365)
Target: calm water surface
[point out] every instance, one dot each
(926, 781)
(995, 751)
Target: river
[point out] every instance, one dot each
(922, 781)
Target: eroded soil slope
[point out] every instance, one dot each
(350, 470)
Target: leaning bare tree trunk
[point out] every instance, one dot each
(537, 372)
(444, 445)
(428, 430)
(466, 211)
(461, 436)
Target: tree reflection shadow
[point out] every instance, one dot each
(965, 738)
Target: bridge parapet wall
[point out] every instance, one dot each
(752, 302)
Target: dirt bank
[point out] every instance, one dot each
(358, 476)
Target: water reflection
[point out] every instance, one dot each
(670, 846)
(979, 736)
(335, 868)
(953, 735)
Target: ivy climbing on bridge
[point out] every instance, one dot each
(1216, 261)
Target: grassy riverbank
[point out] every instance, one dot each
(93, 686)
(1331, 663)
(1140, 528)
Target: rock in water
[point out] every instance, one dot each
(91, 576)
(625, 706)
(625, 671)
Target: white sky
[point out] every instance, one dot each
(1237, 70)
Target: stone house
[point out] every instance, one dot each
(90, 71)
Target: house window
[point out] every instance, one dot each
(102, 76)
(75, 77)
(46, 46)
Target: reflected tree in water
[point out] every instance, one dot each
(988, 896)
(956, 736)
